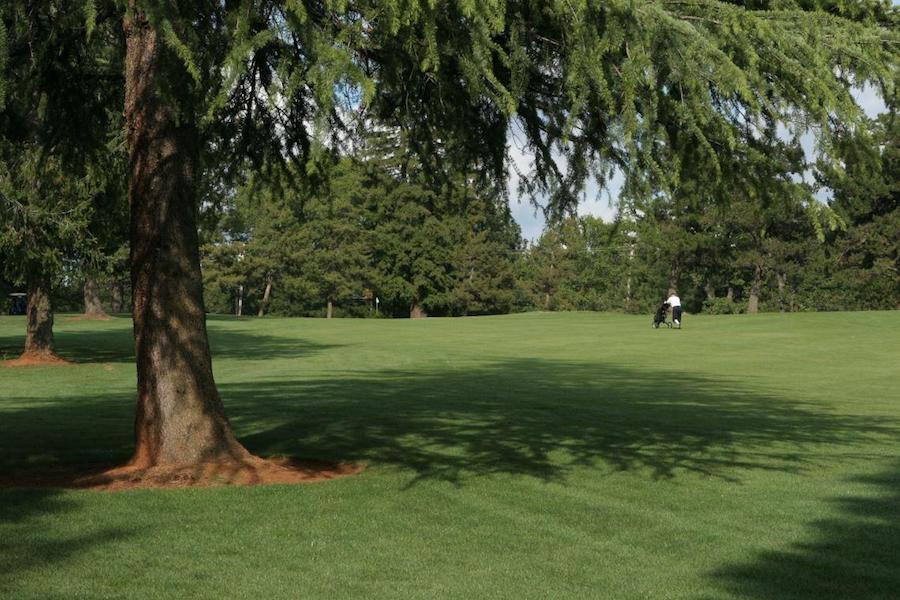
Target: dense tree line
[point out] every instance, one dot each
(374, 234)
(372, 226)
(373, 230)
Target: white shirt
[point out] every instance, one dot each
(674, 301)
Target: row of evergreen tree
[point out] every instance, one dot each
(371, 234)
(371, 230)
(375, 234)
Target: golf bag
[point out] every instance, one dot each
(660, 317)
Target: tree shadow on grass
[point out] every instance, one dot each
(534, 418)
(543, 419)
(538, 418)
(26, 541)
(853, 555)
(112, 345)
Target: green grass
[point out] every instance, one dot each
(525, 456)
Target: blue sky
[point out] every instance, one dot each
(600, 203)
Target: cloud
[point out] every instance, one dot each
(870, 100)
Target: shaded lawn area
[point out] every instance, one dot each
(568, 455)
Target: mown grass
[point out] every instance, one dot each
(525, 456)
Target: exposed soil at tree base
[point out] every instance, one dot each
(253, 471)
(37, 359)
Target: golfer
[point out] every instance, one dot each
(675, 303)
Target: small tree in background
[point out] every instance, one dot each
(44, 212)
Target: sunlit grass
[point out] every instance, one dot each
(525, 456)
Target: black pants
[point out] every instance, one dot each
(676, 313)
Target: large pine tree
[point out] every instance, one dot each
(648, 87)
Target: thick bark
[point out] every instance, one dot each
(239, 306)
(39, 322)
(753, 302)
(730, 294)
(710, 291)
(117, 303)
(179, 416)
(329, 309)
(781, 281)
(92, 306)
(265, 299)
(416, 311)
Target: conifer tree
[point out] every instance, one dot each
(59, 88)
(660, 89)
(640, 85)
(43, 212)
(333, 241)
(865, 258)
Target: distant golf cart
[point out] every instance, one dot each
(18, 303)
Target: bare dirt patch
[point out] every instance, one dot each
(38, 359)
(252, 471)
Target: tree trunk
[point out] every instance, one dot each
(93, 308)
(39, 324)
(416, 311)
(753, 303)
(628, 280)
(710, 291)
(628, 292)
(265, 299)
(674, 276)
(329, 309)
(730, 294)
(239, 308)
(781, 280)
(179, 417)
(117, 304)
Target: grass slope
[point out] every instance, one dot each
(525, 456)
